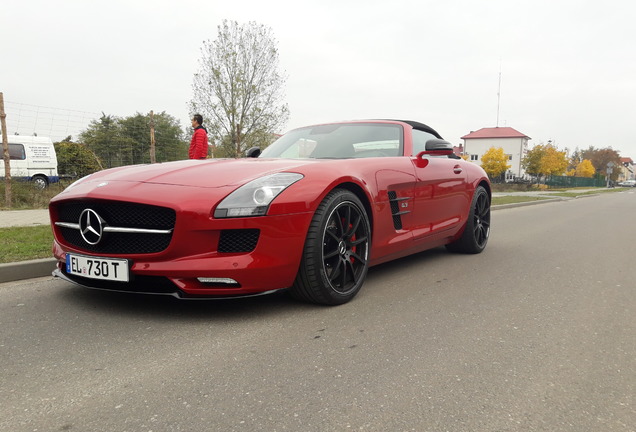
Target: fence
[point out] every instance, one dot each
(571, 182)
(106, 140)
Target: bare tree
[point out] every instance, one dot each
(238, 88)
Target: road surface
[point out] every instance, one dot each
(538, 333)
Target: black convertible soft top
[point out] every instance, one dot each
(421, 126)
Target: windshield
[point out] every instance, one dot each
(338, 141)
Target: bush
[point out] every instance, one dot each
(513, 187)
(76, 160)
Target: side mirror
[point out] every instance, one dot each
(253, 152)
(434, 147)
(438, 147)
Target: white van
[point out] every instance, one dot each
(32, 158)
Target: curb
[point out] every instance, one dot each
(10, 272)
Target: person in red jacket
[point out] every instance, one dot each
(199, 141)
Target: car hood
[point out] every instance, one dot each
(205, 173)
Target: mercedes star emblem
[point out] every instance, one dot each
(91, 226)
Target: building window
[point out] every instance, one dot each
(509, 157)
(474, 157)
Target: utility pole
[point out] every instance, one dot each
(238, 140)
(499, 94)
(153, 158)
(5, 153)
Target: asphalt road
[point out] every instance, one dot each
(538, 333)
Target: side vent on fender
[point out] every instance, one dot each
(395, 201)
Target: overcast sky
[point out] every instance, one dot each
(568, 68)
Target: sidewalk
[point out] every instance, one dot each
(14, 218)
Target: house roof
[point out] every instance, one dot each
(627, 160)
(496, 132)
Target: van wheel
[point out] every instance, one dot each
(40, 182)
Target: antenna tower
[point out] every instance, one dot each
(499, 94)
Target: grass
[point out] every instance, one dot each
(515, 199)
(574, 194)
(25, 243)
(25, 196)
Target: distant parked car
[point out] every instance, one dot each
(627, 183)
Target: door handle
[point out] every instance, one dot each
(457, 169)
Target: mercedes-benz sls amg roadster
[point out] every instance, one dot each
(310, 213)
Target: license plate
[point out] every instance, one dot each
(97, 268)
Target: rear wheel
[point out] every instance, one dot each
(477, 230)
(336, 255)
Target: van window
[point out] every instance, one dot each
(16, 152)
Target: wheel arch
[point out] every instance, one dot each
(358, 191)
(46, 181)
(486, 185)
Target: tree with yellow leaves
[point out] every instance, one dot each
(495, 162)
(545, 160)
(585, 169)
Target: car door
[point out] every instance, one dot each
(440, 190)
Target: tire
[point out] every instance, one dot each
(40, 182)
(335, 258)
(477, 229)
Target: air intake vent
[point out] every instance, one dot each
(394, 200)
(238, 241)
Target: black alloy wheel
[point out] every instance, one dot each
(481, 220)
(477, 229)
(336, 255)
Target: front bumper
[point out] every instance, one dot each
(193, 267)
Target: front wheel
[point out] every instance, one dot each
(336, 254)
(477, 229)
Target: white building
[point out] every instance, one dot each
(513, 142)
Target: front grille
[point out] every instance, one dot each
(120, 215)
(238, 241)
(119, 243)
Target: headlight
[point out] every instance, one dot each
(254, 198)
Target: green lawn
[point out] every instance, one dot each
(25, 243)
(574, 193)
(511, 199)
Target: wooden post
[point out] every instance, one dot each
(153, 157)
(238, 140)
(5, 152)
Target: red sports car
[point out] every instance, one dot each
(310, 213)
